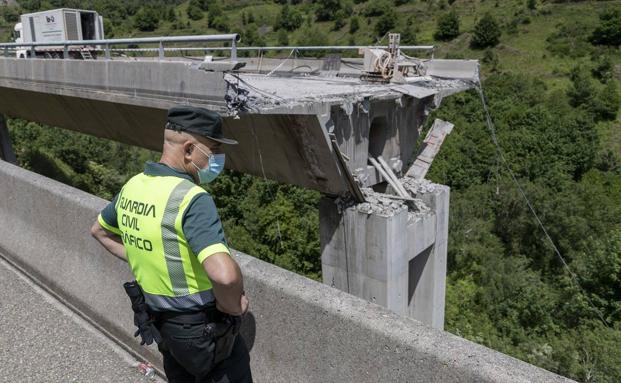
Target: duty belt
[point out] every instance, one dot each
(208, 315)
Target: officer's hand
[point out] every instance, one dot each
(148, 333)
(244, 304)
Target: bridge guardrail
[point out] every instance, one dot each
(233, 38)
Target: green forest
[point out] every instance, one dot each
(550, 72)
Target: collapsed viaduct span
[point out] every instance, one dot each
(318, 129)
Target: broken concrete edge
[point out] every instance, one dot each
(264, 102)
(302, 326)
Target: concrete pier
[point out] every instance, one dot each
(389, 251)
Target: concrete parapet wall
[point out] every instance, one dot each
(299, 330)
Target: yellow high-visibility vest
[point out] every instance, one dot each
(150, 212)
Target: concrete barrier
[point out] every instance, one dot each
(299, 330)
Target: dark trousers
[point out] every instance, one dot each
(188, 355)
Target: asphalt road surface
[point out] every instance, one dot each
(43, 341)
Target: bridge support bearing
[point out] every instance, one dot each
(6, 149)
(390, 252)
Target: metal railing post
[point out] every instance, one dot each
(6, 51)
(161, 50)
(233, 50)
(33, 53)
(65, 51)
(107, 51)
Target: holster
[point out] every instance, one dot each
(224, 333)
(142, 318)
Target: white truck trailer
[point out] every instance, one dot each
(59, 25)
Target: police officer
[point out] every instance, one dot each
(168, 229)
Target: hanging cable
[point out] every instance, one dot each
(256, 140)
(492, 130)
(282, 63)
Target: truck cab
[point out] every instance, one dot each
(20, 53)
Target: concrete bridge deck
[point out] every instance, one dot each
(283, 121)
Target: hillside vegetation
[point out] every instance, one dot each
(550, 73)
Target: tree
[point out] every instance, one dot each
(490, 58)
(603, 69)
(340, 19)
(194, 10)
(385, 23)
(409, 33)
(216, 17)
(581, 90)
(609, 30)
(171, 15)
(376, 8)
(531, 4)
(606, 105)
(282, 37)
(354, 24)
(215, 10)
(146, 19)
(486, 32)
(447, 27)
(313, 36)
(252, 36)
(326, 9)
(10, 14)
(289, 19)
(219, 23)
(570, 39)
(205, 4)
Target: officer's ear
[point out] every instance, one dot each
(188, 147)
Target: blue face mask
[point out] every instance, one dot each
(213, 169)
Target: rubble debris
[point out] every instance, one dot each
(415, 186)
(377, 203)
(388, 205)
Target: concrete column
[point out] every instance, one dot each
(6, 150)
(389, 253)
(428, 268)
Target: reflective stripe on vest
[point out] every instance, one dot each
(172, 253)
(150, 213)
(181, 303)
